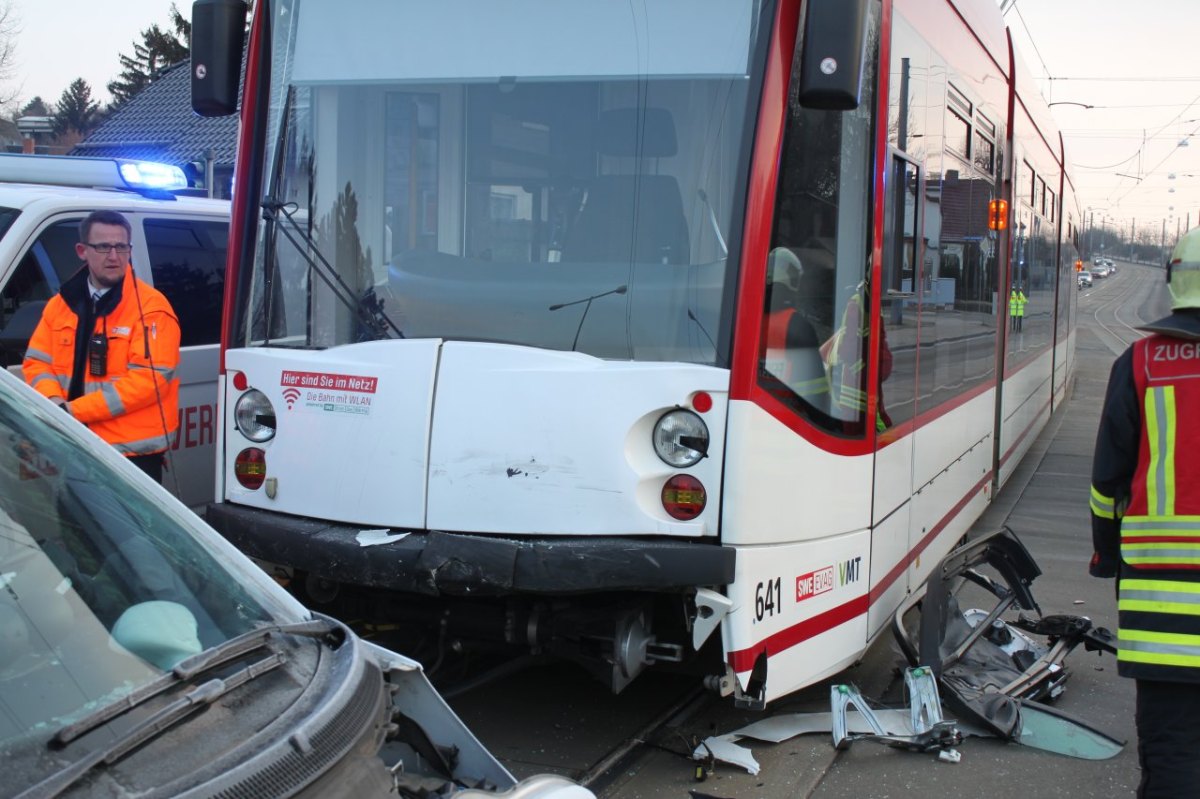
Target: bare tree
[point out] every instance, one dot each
(10, 29)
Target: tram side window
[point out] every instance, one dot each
(815, 342)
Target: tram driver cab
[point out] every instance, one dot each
(603, 228)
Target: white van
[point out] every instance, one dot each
(179, 246)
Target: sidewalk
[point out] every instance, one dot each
(1046, 505)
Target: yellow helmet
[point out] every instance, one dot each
(1183, 271)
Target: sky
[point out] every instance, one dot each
(1134, 61)
(61, 40)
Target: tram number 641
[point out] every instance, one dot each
(768, 599)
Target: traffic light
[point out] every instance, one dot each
(997, 215)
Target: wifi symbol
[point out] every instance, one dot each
(290, 395)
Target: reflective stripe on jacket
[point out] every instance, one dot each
(1159, 587)
(800, 368)
(135, 405)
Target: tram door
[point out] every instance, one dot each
(891, 508)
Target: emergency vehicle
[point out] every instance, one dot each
(179, 247)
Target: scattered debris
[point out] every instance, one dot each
(925, 729)
(370, 538)
(920, 728)
(994, 674)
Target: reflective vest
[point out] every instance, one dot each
(135, 405)
(1159, 588)
(847, 377)
(1016, 303)
(847, 369)
(800, 368)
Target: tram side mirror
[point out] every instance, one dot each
(834, 39)
(218, 34)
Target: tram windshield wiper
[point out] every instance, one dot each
(367, 308)
(189, 668)
(374, 323)
(587, 306)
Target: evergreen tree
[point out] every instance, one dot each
(37, 107)
(157, 50)
(77, 111)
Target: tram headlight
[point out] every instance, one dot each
(255, 416)
(681, 438)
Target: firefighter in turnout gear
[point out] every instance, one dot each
(1145, 509)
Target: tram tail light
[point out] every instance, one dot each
(684, 497)
(250, 468)
(997, 215)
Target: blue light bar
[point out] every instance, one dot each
(151, 175)
(100, 173)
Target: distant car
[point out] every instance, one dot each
(1084, 279)
(1100, 271)
(143, 655)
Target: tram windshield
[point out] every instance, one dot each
(534, 173)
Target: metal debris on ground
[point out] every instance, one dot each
(995, 674)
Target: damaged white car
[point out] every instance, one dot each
(142, 655)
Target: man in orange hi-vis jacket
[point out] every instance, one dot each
(107, 348)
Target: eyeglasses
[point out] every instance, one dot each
(106, 248)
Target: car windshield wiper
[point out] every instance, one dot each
(188, 668)
(191, 702)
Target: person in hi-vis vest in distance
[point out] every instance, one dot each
(106, 349)
(1016, 309)
(1145, 512)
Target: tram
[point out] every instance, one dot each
(675, 331)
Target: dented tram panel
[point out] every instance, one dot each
(474, 349)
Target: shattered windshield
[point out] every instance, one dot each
(526, 173)
(102, 589)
